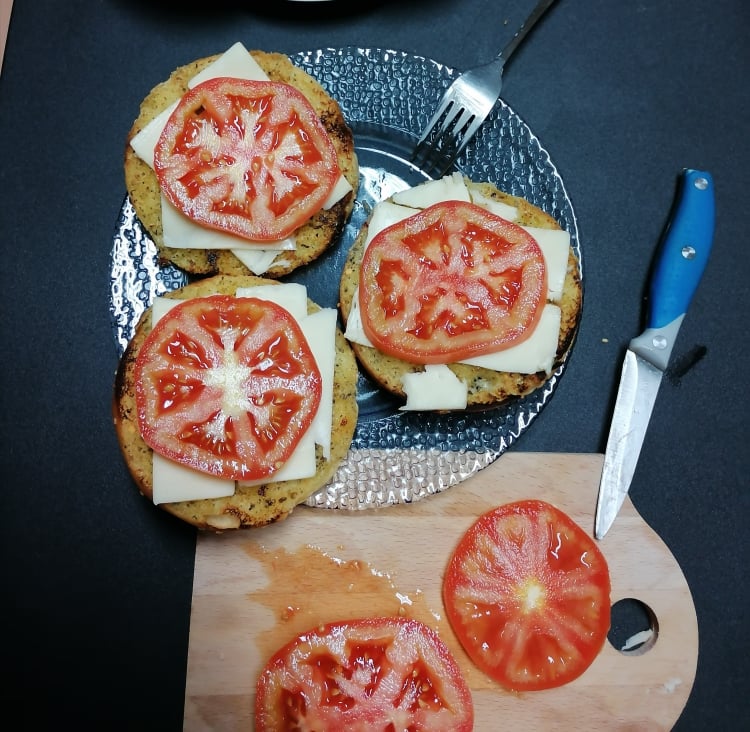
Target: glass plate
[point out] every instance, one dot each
(387, 97)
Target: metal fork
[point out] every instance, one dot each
(466, 104)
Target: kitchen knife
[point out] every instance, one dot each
(680, 264)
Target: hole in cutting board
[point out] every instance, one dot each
(634, 627)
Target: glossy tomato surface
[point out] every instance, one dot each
(451, 282)
(527, 594)
(248, 157)
(227, 386)
(389, 674)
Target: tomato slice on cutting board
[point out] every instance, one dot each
(248, 157)
(387, 673)
(227, 386)
(527, 594)
(450, 282)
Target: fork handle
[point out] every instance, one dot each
(528, 24)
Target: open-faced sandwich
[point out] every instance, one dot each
(241, 163)
(456, 294)
(235, 400)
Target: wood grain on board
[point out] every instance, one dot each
(255, 590)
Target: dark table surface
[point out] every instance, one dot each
(623, 95)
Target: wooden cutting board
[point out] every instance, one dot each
(255, 590)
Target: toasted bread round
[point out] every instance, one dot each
(312, 239)
(485, 387)
(249, 506)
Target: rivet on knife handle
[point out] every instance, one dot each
(680, 264)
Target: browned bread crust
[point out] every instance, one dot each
(312, 239)
(249, 506)
(485, 387)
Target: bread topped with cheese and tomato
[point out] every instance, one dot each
(235, 401)
(470, 324)
(264, 173)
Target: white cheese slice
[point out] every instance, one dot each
(555, 246)
(320, 330)
(386, 214)
(355, 331)
(449, 188)
(292, 296)
(257, 262)
(536, 353)
(503, 210)
(160, 307)
(437, 387)
(144, 142)
(179, 230)
(235, 63)
(175, 482)
(301, 463)
(182, 233)
(339, 190)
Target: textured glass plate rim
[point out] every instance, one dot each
(404, 457)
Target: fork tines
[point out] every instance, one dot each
(443, 139)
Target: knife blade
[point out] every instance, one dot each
(680, 263)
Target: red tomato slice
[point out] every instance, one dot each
(227, 386)
(391, 674)
(248, 157)
(527, 594)
(450, 282)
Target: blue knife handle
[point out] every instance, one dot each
(681, 262)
